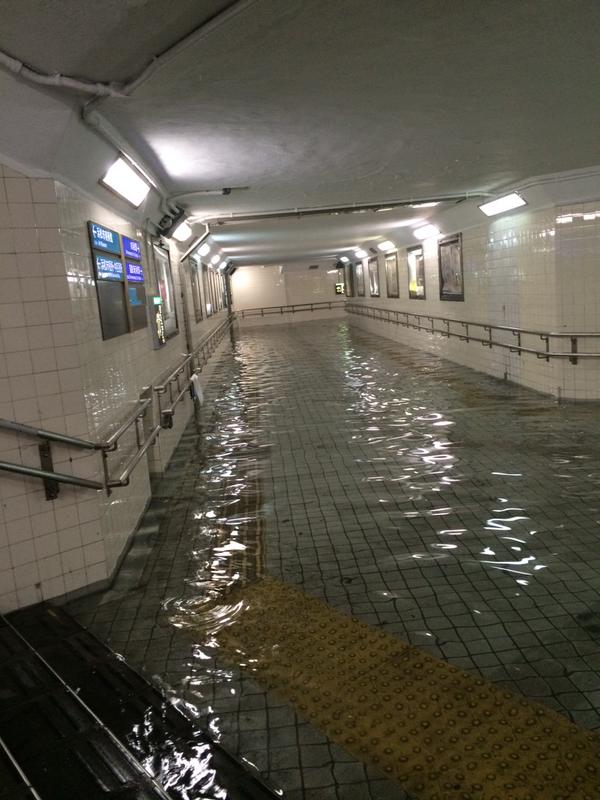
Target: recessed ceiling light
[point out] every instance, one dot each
(204, 250)
(427, 232)
(425, 205)
(589, 215)
(344, 259)
(215, 259)
(564, 218)
(386, 246)
(359, 253)
(506, 203)
(223, 264)
(126, 182)
(182, 232)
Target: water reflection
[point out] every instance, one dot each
(459, 512)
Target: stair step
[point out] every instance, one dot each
(69, 741)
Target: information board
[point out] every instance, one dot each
(107, 268)
(102, 238)
(134, 272)
(131, 248)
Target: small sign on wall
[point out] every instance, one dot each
(107, 268)
(132, 248)
(134, 272)
(104, 239)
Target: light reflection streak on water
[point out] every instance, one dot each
(434, 464)
(418, 452)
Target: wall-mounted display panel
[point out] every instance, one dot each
(132, 248)
(391, 275)
(107, 268)
(104, 239)
(113, 312)
(359, 272)
(134, 272)
(451, 269)
(374, 276)
(416, 273)
(164, 279)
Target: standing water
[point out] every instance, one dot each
(456, 512)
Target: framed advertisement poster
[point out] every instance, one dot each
(359, 272)
(166, 289)
(451, 269)
(349, 280)
(374, 277)
(391, 275)
(416, 273)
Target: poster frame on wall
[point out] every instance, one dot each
(450, 266)
(392, 281)
(374, 277)
(166, 287)
(359, 272)
(419, 272)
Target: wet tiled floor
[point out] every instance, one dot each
(458, 512)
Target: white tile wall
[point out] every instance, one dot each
(261, 287)
(57, 373)
(522, 270)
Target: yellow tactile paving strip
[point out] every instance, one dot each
(441, 733)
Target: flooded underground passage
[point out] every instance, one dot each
(369, 572)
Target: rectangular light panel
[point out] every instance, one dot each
(506, 203)
(126, 182)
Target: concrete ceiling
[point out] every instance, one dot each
(327, 102)
(98, 40)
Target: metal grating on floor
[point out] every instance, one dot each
(104, 732)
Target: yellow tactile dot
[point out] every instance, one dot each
(439, 732)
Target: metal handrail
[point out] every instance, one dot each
(290, 308)
(53, 479)
(191, 362)
(413, 320)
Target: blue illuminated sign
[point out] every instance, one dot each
(131, 248)
(134, 272)
(108, 269)
(103, 238)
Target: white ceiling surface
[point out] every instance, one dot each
(97, 40)
(327, 102)
(311, 239)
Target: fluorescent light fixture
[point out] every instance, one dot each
(223, 264)
(506, 203)
(359, 253)
(332, 271)
(564, 218)
(427, 232)
(425, 205)
(386, 246)
(589, 215)
(215, 259)
(344, 259)
(182, 232)
(204, 250)
(126, 182)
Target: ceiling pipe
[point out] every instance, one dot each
(101, 91)
(56, 80)
(352, 209)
